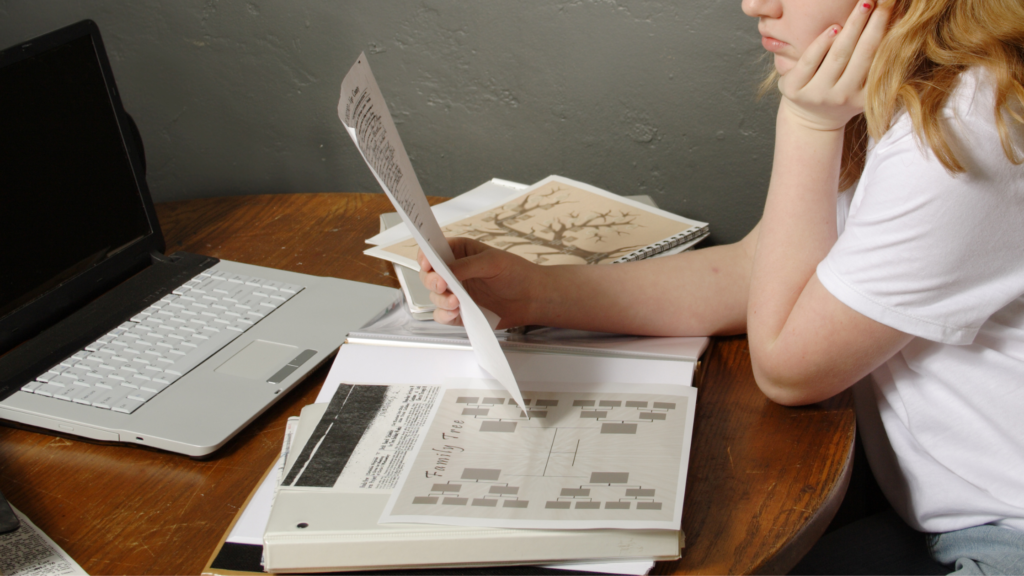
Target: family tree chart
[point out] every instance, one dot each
(597, 459)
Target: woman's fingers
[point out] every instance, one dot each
(810, 61)
(452, 318)
(826, 87)
(445, 301)
(870, 39)
(846, 44)
(432, 280)
(841, 54)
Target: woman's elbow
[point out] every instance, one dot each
(783, 386)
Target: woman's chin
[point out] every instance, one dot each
(783, 65)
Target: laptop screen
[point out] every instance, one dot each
(69, 196)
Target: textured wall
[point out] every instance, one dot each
(637, 97)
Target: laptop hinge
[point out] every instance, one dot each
(22, 364)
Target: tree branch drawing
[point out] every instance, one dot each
(560, 235)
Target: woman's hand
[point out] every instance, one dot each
(826, 87)
(504, 283)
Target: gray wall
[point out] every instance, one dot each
(633, 96)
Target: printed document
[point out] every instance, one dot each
(579, 457)
(365, 114)
(28, 551)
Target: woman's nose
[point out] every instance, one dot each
(762, 8)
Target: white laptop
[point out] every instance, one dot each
(102, 336)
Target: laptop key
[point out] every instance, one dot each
(77, 372)
(48, 390)
(62, 381)
(157, 384)
(141, 395)
(69, 394)
(86, 396)
(110, 398)
(127, 405)
(49, 374)
(62, 394)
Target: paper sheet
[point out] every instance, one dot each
(362, 364)
(253, 521)
(28, 551)
(614, 456)
(366, 118)
(487, 194)
(250, 527)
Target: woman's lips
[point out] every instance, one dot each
(771, 44)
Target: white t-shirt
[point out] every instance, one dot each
(941, 257)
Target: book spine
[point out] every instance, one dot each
(666, 244)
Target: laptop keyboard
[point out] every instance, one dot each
(134, 362)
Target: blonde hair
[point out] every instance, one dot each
(928, 45)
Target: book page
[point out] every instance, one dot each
(614, 456)
(363, 439)
(377, 452)
(559, 221)
(368, 122)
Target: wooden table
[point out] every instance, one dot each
(764, 480)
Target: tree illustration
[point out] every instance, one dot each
(559, 235)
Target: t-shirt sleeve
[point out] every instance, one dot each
(927, 252)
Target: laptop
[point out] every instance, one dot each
(102, 335)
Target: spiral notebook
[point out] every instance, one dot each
(561, 221)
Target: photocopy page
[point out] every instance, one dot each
(28, 551)
(612, 456)
(364, 113)
(349, 453)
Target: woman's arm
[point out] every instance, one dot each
(694, 293)
(805, 344)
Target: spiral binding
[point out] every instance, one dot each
(663, 245)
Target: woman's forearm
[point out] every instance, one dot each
(697, 293)
(797, 231)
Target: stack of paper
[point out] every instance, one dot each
(597, 470)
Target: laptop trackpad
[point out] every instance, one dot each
(259, 360)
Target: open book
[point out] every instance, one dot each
(483, 197)
(561, 221)
(361, 447)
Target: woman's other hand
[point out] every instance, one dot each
(826, 87)
(504, 283)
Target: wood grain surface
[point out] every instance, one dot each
(764, 480)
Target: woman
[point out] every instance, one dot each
(915, 284)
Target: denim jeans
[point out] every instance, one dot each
(980, 550)
(884, 544)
